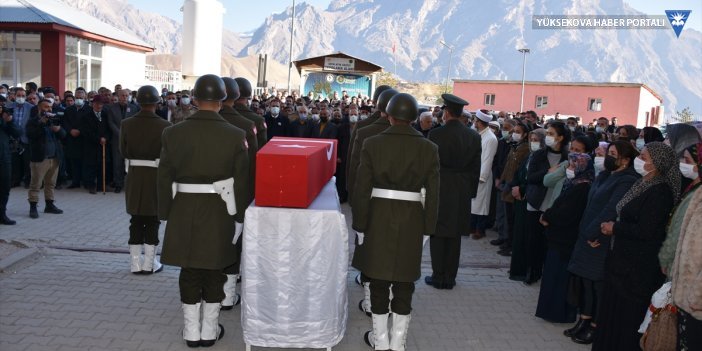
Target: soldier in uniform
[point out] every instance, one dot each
(203, 180)
(360, 124)
(228, 112)
(140, 146)
(241, 105)
(380, 124)
(459, 154)
(398, 179)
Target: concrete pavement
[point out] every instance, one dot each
(87, 300)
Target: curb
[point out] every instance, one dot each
(17, 257)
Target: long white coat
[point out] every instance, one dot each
(480, 205)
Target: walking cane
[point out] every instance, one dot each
(103, 169)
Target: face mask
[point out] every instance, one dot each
(599, 129)
(129, 98)
(570, 174)
(185, 101)
(51, 100)
(315, 117)
(275, 111)
(516, 137)
(599, 163)
(640, 143)
(535, 146)
(323, 118)
(572, 128)
(80, 102)
(4, 95)
(688, 171)
(20, 100)
(639, 167)
(610, 163)
(505, 134)
(171, 103)
(40, 95)
(434, 120)
(500, 120)
(550, 141)
(353, 118)
(363, 117)
(303, 116)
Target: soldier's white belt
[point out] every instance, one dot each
(399, 195)
(225, 189)
(140, 163)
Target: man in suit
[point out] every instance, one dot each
(93, 128)
(116, 113)
(231, 298)
(140, 145)
(73, 144)
(324, 129)
(241, 105)
(278, 125)
(403, 193)
(203, 189)
(459, 154)
(302, 126)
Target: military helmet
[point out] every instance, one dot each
(147, 95)
(403, 106)
(209, 88)
(384, 98)
(245, 89)
(379, 90)
(232, 88)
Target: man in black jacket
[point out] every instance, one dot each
(44, 132)
(8, 129)
(93, 128)
(73, 144)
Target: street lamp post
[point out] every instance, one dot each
(292, 35)
(524, 51)
(448, 72)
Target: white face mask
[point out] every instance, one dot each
(185, 101)
(570, 174)
(51, 100)
(171, 103)
(80, 102)
(599, 129)
(535, 146)
(500, 119)
(303, 116)
(4, 95)
(362, 117)
(505, 134)
(550, 141)
(275, 110)
(20, 100)
(315, 117)
(516, 137)
(353, 118)
(639, 167)
(688, 171)
(129, 99)
(572, 128)
(599, 163)
(640, 143)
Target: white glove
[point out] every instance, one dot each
(359, 238)
(238, 229)
(424, 241)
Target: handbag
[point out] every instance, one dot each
(662, 332)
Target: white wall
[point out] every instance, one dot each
(646, 102)
(202, 37)
(122, 66)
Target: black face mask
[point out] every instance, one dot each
(323, 119)
(610, 163)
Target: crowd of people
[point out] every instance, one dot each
(601, 214)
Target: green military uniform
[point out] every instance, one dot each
(459, 153)
(199, 232)
(232, 116)
(261, 128)
(360, 124)
(375, 128)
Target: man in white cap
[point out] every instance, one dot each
(480, 206)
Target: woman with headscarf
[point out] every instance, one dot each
(518, 263)
(633, 271)
(680, 137)
(561, 221)
(648, 135)
(540, 196)
(587, 263)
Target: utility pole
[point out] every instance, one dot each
(448, 71)
(292, 35)
(524, 51)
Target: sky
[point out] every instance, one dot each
(257, 11)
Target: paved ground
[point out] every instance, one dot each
(87, 300)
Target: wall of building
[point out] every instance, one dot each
(622, 102)
(121, 66)
(648, 104)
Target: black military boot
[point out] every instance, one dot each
(576, 328)
(33, 213)
(51, 208)
(6, 220)
(585, 336)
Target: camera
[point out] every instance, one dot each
(54, 119)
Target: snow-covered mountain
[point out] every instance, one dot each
(485, 36)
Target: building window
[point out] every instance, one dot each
(541, 101)
(83, 64)
(594, 104)
(20, 58)
(490, 99)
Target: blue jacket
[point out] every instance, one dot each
(605, 193)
